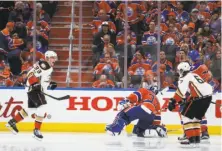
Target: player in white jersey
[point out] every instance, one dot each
(197, 103)
(38, 79)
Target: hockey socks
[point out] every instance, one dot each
(38, 122)
(20, 116)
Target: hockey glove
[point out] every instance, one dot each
(52, 85)
(36, 87)
(123, 104)
(172, 104)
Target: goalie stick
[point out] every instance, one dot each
(59, 98)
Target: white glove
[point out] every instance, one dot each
(123, 104)
(161, 131)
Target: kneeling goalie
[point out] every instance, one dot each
(144, 106)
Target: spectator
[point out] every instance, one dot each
(41, 14)
(182, 16)
(185, 48)
(17, 15)
(148, 80)
(189, 41)
(107, 66)
(215, 22)
(139, 64)
(150, 37)
(213, 82)
(131, 40)
(5, 8)
(206, 33)
(181, 56)
(200, 43)
(194, 19)
(135, 13)
(111, 51)
(103, 82)
(166, 8)
(171, 19)
(97, 22)
(98, 43)
(204, 14)
(12, 48)
(191, 31)
(108, 6)
(216, 66)
(41, 37)
(163, 61)
(171, 37)
(169, 81)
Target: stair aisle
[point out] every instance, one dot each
(59, 42)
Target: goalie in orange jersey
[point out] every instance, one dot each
(144, 106)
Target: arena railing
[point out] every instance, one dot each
(71, 37)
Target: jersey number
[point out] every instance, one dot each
(37, 69)
(198, 79)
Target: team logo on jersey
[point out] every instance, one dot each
(129, 11)
(151, 40)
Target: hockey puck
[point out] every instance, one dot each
(49, 116)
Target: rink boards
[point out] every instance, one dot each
(89, 110)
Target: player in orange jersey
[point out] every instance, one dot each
(144, 106)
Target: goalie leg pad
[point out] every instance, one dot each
(118, 124)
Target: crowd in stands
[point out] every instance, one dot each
(16, 38)
(187, 28)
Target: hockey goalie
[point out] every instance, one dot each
(143, 106)
(38, 80)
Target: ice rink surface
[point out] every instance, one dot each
(97, 142)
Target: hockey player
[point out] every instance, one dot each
(38, 79)
(196, 105)
(144, 106)
(201, 70)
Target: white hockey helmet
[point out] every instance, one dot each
(183, 67)
(51, 53)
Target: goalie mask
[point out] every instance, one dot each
(183, 68)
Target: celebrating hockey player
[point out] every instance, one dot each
(144, 106)
(38, 79)
(196, 105)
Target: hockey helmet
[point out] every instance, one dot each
(194, 55)
(50, 54)
(183, 67)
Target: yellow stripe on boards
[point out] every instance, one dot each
(93, 128)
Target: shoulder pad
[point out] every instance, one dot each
(44, 65)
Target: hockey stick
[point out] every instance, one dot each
(215, 103)
(59, 98)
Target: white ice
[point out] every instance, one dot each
(97, 142)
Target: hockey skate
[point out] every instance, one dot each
(192, 142)
(11, 125)
(37, 135)
(205, 137)
(183, 138)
